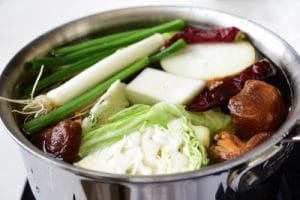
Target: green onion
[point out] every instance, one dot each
(75, 47)
(73, 53)
(69, 70)
(179, 44)
(69, 108)
(166, 27)
(36, 64)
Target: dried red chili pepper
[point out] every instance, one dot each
(196, 35)
(220, 95)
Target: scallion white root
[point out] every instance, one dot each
(33, 106)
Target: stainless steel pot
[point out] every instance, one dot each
(53, 179)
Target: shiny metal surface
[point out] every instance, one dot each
(258, 169)
(52, 179)
(50, 182)
(294, 134)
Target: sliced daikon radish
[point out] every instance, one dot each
(111, 102)
(210, 61)
(152, 86)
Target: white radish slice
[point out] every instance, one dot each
(152, 86)
(111, 102)
(209, 61)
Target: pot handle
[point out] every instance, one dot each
(243, 178)
(246, 176)
(293, 135)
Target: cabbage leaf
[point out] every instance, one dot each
(198, 128)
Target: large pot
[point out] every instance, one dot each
(237, 179)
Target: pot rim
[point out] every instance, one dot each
(283, 131)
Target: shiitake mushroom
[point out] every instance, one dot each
(61, 140)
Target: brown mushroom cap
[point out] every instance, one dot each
(61, 140)
(258, 107)
(229, 146)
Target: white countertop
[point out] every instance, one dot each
(22, 21)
